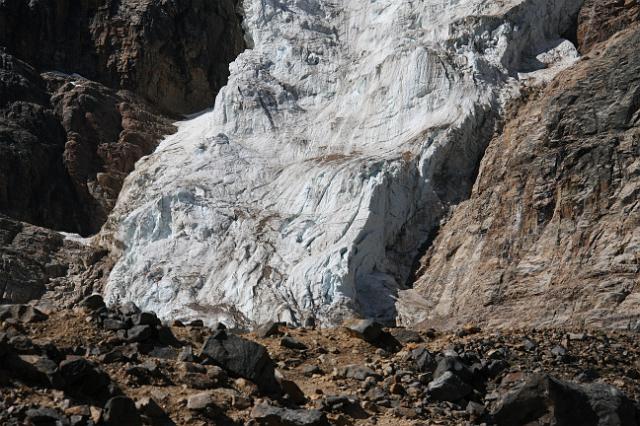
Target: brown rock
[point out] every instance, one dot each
(598, 20)
(550, 234)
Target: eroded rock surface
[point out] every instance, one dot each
(172, 53)
(551, 233)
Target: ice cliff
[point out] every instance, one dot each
(342, 136)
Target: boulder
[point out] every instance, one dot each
(21, 313)
(82, 377)
(269, 415)
(243, 358)
(121, 411)
(545, 398)
(449, 387)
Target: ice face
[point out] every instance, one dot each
(339, 141)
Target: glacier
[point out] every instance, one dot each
(345, 132)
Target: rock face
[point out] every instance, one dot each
(66, 145)
(68, 137)
(329, 157)
(551, 233)
(174, 54)
(599, 20)
(33, 183)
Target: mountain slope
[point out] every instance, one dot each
(329, 158)
(550, 234)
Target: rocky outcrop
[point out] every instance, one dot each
(598, 20)
(66, 146)
(106, 133)
(551, 232)
(174, 54)
(34, 260)
(70, 136)
(34, 185)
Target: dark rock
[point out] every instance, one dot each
(424, 360)
(46, 368)
(140, 333)
(174, 54)
(343, 404)
(45, 416)
(243, 358)
(358, 372)
(598, 20)
(196, 323)
(150, 408)
(121, 411)
(292, 392)
(115, 355)
(21, 313)
(449, 387)
(93, 302)
(564, 403)
(455, 365)
(113, 324)
(265, 414)
(269, 329)
(404, 335)
(83, 378)
(146, 318)
(372, 332)
(291, 343)
(494, 367)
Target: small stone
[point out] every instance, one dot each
(558, 351)
(266, 414)
(396, 389)
(310, 370)
(139, 333)
(150, 408)
(186, 354)
(475, 410)
(113, 324)
(45, 416)
(200, 401)
(269, 329)
(448, 387)
(291, 343)
(355, 371)
(196, 323)
(128, 309)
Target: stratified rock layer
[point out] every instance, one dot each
(551, 234)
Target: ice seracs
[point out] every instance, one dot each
(329, 157)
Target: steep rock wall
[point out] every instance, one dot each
(551, 234)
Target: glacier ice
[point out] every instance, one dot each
(343, 134)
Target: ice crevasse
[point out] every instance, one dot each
(344, 133)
